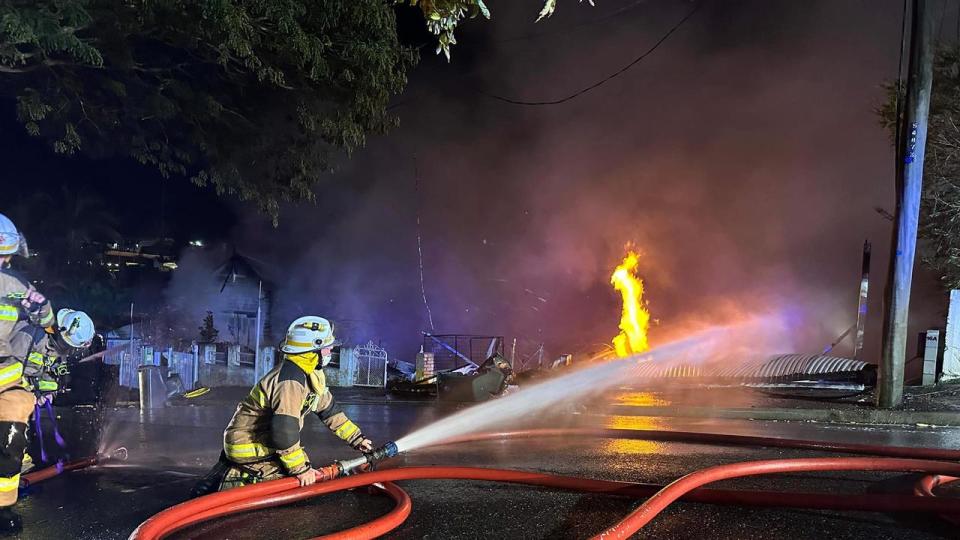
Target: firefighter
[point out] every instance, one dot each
(41, 353)
(45, 351)
(18, 298)
(262, 440)
(19, 302)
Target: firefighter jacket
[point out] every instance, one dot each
(42, 366)
(13, 289)
(267, 423)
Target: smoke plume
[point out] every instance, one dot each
(742, 158)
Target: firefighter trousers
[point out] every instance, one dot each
(16, 406)
(227, 474)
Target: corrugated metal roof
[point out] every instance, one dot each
(786, 366)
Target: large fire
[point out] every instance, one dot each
(635, 319)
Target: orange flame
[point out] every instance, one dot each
(635, 319)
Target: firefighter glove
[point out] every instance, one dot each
(362, 444)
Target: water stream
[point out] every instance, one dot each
(748, 340)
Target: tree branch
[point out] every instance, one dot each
(25, 69)
(46, 63)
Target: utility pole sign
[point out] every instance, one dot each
(913, 138)
(862, 304)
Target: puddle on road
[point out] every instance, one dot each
(640, 399)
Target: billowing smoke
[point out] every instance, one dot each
(743, 159)
(197, 287)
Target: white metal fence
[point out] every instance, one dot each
(184, 365)
(364, 365)
(371, 365)
(129, 357)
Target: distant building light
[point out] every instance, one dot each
(196, 243)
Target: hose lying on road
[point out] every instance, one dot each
(35, 477)
(47, 473)
(656, 504)
(285, 491)
(927, 484)
(688, 488)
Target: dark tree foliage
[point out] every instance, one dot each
(940, 207)
(208, 333)
(253, 97)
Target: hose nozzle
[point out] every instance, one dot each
(119, 454)
(388, 450)
(350, 466)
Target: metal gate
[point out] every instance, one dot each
(371, 365)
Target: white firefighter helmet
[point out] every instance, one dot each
(11, 241)
(75, 328)
(308, 334)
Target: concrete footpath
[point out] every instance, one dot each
(838, 415)
(923, 406)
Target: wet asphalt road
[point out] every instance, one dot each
(171, 447)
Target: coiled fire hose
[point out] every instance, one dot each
(688, 488)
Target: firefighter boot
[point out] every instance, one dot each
(213, 480)
(10, 522)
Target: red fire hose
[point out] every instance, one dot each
(280, 492)
(286, 490)
(925, 486)
(656, 504)
(47, 473)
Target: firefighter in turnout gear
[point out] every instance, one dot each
(19, 303)
(41, 354)
(44, 352)
(262, 440)
(18, 299)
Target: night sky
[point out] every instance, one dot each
(742, 157)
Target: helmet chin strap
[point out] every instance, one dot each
(60, 345)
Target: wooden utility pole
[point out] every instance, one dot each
(910, 153)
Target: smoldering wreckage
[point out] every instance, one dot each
(263, 458)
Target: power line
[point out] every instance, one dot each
(574, 27)
(606, 79)
(423, 289)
